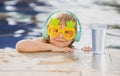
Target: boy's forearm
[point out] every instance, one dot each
(31, 46)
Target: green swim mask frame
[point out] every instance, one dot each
(78, 31)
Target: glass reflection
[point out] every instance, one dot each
(99, 62)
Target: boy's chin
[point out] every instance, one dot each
(61, 45)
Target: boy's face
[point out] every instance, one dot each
(60, 41)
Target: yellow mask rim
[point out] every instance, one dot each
(61, 31)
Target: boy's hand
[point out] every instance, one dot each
(61, 49)
(86, 49)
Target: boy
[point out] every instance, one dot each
(60, 31)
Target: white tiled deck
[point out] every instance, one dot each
(77, 63)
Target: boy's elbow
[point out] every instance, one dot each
(19, 47)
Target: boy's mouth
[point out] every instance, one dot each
(60, 40)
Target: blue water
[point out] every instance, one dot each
(14, 27)
(8, 33)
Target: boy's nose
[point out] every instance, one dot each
(60, 35)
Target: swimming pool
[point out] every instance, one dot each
(17, 21)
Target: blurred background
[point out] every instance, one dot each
(23, 19)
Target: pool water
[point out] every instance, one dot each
(23, 19)
(16, 21)
(11, 34)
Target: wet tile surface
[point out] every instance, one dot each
(76, 63)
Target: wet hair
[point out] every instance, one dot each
(63, 16)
